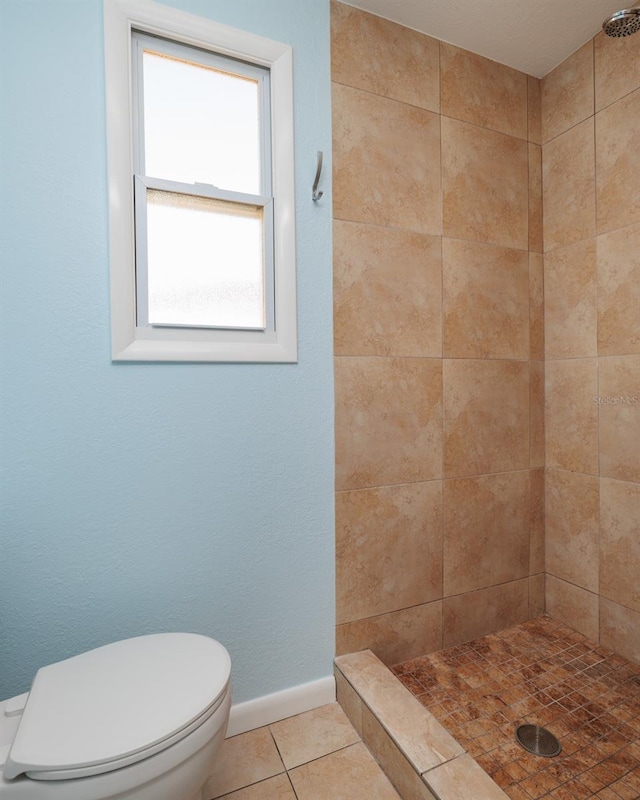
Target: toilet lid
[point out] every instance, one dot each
(117, 701)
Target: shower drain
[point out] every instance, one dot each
(538, 741)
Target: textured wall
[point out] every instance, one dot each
(438, 340)
(591, 167)
(147, 497)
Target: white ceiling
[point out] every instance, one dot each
(530, 35)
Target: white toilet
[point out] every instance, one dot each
(139, 719)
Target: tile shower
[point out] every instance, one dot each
(487, 342)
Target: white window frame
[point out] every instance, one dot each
(128, 341)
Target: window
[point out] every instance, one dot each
(200, 145)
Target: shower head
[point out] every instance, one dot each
(623, 23)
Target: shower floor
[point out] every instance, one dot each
(541, 673)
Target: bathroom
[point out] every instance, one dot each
(205, 503)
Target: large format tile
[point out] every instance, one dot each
(620, 542)
(536, 422)
(536, 306)
(468, 616)
(396, 636)
(417, 733)
(569, 191)
(571, 415)
(480, 163)
(453, 781)
(349, 700)
(382, 57)
(567, 93)
(536, 595)
(534, 108)
(386, 162)
(536, 238)
(486, 300)
(486, 416)
(620, 629)
(387, 287)
(349, 774)
(313, 734)
(278, 788)
(572, 527)
(243, 760)
(618, 163)
(619, 291)
(572, 605)
(486, 524)
(619, 417)
(536, 521)
(388, 421)
(476, 89)
(570, 301)
(388, 549)
(617, 73)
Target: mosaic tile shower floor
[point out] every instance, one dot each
(540, 672)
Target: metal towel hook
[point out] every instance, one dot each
(315, 194)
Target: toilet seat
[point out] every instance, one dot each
(135, 698)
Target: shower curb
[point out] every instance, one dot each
(418, 755)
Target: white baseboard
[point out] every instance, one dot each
(280, 705)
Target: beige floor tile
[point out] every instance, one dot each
(349, 774)
(244, 760)
(454, 780)
(278, 788)
(313, 734)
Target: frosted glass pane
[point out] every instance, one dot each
(205, 262)
(201, 125)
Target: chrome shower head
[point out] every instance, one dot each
(623, 23)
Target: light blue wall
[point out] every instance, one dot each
(147, 497)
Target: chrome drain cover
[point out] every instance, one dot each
(538, 741)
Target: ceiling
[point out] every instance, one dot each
(530, 35)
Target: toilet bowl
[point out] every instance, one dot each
(139, 719)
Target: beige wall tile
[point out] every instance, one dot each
(469, 616)
(486, 416)
(619, 291)
(244, 759)
(571, 416)
(536, 521)
(454, 779)
(619, 413)
(314, 734)
(417, 732)
(385, 58)
(388, 421)
(386, 162)
(536, 596)
(535, 199)
(620, 542)
(486, 523)
(476, 89)
(387, 288)
(568, 187)
(278, 788)
(394, 764)
(570, 301)
(536, 306)
(572, 527)
(572, 605)
(486, 300)
(480, 163)
(349, 700)
(618, 163)
(394, 637)
(616, 62)
(388, 549)
(534, 92)
(567, 93)
(620, 629)
(536, 429)
(349, 774)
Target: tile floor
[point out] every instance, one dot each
(313, 756)
(544, 673)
